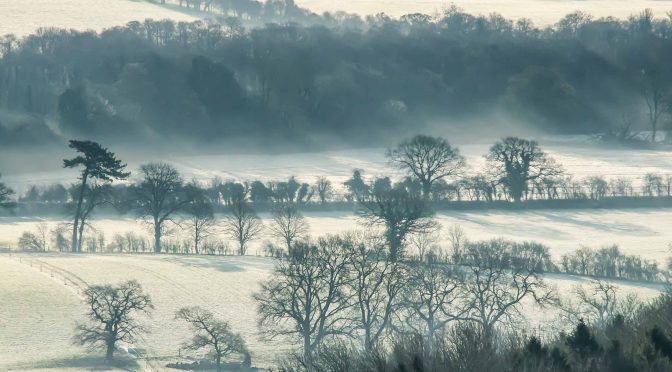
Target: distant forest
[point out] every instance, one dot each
(278, 74)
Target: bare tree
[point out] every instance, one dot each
(159, 196)
(200, 220)
(458, 239)
(324, 189)
(94, 196)
(399, 213)
(37, 241)
(656, 97)
(211, 334)
(496, 283)
(428, 159)
(516, 162)
(378, 282)
(426, 242)
(98, 164)
(111, 316)
(305, 298)
(598, 304)
(288, 224)
(242, 224)
(433, 298)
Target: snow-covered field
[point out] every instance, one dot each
(542, 12)
(38, 311)
(642, 232)
(26, 16)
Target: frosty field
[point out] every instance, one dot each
(25, 17)
(38, 311)
(542, 12)
(642, 232)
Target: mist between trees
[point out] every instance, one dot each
(518, 171)
(308, 81)
(518, 174)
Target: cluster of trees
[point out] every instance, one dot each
(344, 286)
(112, 319)
(341, 78)
(609, 262)
(350, 305)
(637, 342)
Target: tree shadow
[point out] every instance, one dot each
(89, 363)
(223, 263)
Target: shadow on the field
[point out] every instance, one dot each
(224, 264)
(89, 363)
(578, 219)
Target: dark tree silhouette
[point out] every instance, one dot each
(111, 316)
(243, 224)
(160, 195)
(200, 219)
(304, 298)
(324, 189)
(97, 164)
(211, 334)
(516, 162)
(399, 213)
(288, 224)
(429, 159)
(95, 195)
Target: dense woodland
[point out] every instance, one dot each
(301, 79)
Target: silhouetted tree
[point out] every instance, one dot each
(324, 189)
(200, 220)
(213, 335)
(304, 298)
(160, 195)
(97, 164)
(243, 225)
(399, 213)
(428, 159)
(111, 311)
(516, 162)
(288, 224)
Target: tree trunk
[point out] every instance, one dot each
(74, 246)
(109, 354)
(218, 360)
(426, 190)
(367, 338)
(81, 234)
(307, 354)
(157, 236)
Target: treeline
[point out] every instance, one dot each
(345, 80)
(516, 170)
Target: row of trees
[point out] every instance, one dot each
(113, 319)
(346, 78)
(516, 169)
